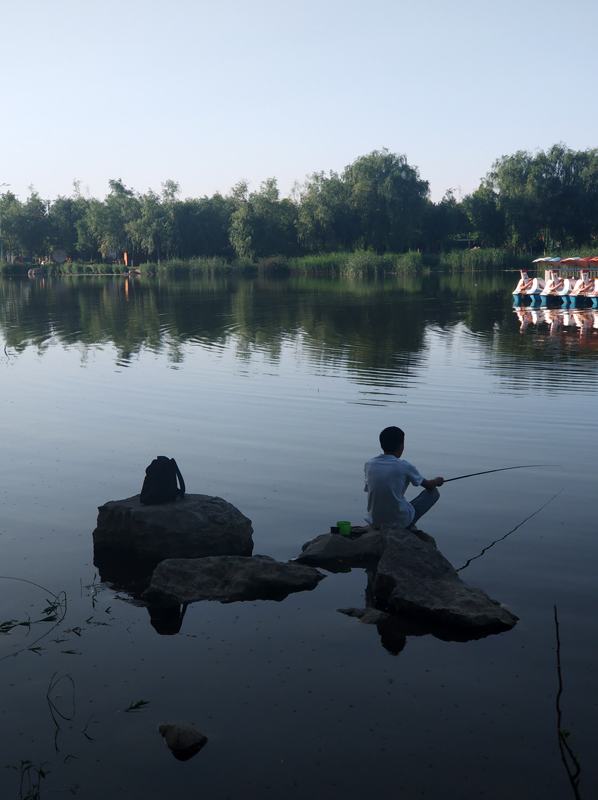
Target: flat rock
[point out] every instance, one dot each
(337, 553)
(184, 740)
(197, 525)
(334, 552)
(415, 580)
(228, 579)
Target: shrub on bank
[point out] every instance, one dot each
(478, 259)
(360, 263)
(14, 269)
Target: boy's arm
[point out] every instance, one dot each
(433, 484)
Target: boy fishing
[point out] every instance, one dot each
(387, 476)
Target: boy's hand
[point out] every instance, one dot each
(433, 484)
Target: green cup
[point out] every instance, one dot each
(344, 528)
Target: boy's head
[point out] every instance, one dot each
(392, 439)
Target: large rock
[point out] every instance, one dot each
(415, 580)
(228, 579)
(196, 526)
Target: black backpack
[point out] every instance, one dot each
(160, 482)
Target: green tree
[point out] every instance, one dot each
(105, 224)
(153, 230)
(486, 218)
(388, 198)
(547, 198)
(443, 221)
(25, 225)
(325, 219)
(262, 224)
(63, 216)
(11, 210)
(203, 226)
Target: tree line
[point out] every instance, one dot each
(528, 202)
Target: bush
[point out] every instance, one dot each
(478, 259)
(274, 265)
(14, 269)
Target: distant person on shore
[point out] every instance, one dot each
(387, 476)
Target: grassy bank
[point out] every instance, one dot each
(355, 264)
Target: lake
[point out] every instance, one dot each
(271, 393)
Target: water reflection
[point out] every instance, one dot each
(561, 326)
(132, 577)
(378, 332)
(167, 620)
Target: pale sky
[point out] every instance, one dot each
(211, 93)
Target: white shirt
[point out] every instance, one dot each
(386, 479)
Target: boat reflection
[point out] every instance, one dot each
(566, 325)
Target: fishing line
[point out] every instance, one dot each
(510, 532)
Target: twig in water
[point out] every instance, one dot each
(54, 612)
(55, 713)
(568, 757)
(31, 776)
(90, 721)
(510, 532)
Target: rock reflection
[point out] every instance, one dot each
(412, 589)
(132, 575)
(167, 620)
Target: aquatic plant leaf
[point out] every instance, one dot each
(137, 706)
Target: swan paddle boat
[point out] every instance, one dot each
(559, 284)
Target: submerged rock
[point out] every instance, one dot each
(415, 580)
(228, 579)
(369, 616)
(184, 740)
(197, 525)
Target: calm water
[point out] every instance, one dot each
(271, 394)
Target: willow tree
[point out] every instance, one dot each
(388, 199)
(547, 198)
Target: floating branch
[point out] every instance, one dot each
(568, 757)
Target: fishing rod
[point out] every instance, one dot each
(503, 469)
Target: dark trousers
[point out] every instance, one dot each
(423, 503)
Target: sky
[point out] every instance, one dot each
(209, 93)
